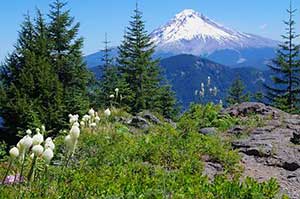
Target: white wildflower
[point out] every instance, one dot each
(196, 92)
(76, 124)
(43, 128)
(48, 155)
(97, 119)
(49, 144)
(28, 132)
(112, 96)
(91, 112)
(86, 118)
(14, 152)
(107, 112)
(37, 139)
(74, 132)
(93, 125)
(37, 150)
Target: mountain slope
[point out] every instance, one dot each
(187, 72)
(192, 33)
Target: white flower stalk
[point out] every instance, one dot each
(28, 132)
(49, 144)
(37, 139)
(201, 93)
(221, 103)
(196, 92)
(86, 118)
(76, 124)
(116, 90)
(91, 112)
(14, 152)
(43, 128)
(74, 132)
(202, 86)
(93, 125)
(107, 112)
(47, 155)
(97, 119)
(208, 81)
(37, 130)
(112, 96)
(69, 142)
(82, 123)
(24, 145)
(211, 90)
(37, 150)
(215, 91)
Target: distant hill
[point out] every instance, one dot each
(186, 73)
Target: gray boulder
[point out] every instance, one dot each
(208, 131)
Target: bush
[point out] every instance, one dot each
(200, 116)
(112, 162)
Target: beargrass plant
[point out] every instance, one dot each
(111, 162)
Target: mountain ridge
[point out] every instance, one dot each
(190, 32)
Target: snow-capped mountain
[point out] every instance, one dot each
(192, 33)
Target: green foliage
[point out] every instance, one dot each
(44, 78)
(113, 163)
(31, 93)
(201, 116)
(141, 72)
(236, 93)
(66, 58)
(111, 80)
(285, 93)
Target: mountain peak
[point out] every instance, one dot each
(187, 12)
(190, 13)
(193, 33)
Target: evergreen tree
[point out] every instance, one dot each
(67, 58)
(111, 82)
(31, 94)
(167, 103)
(138, 67)
(285, 93)
(236, 93)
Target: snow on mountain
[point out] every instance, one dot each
(192, 33)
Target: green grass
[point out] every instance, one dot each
(164, 163)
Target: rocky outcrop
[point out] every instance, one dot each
(143, 120)
(248, 108)
(272, 150)
(208, 131)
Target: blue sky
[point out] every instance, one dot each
(262, 17)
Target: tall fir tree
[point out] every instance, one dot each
(67, 59)
(111, 82)
(284, 94)
(31, 94)
(236, 93)
(138, 67)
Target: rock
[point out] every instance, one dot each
(212, 169)
(237, 130)
(150, 117)
(247, 108)
(138, 122)
(208, 131)
(267, 151)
